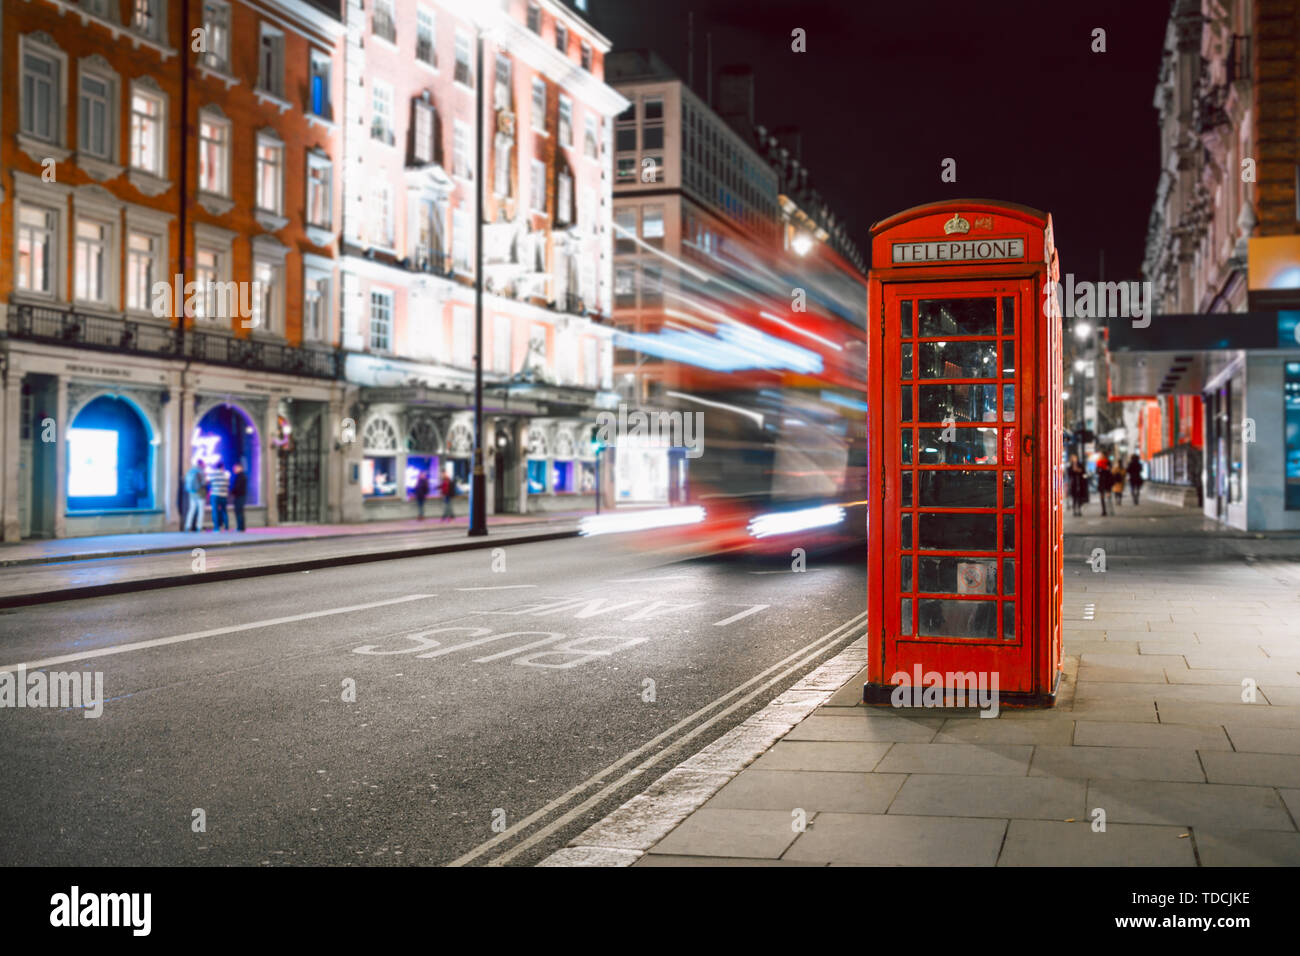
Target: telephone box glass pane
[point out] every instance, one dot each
(1008, 575)
(958, 575)
(969, 446)
(1008, 315)
(1008, 532)
(959, 489)
(907, 361)
(1008, 403)
(905, 490)
(1008, 489)
(957, 360)
(905, 320)
(961, 403)
(958, 316)
(906, 616)
(905, 405)
(907, 446)
(967, 619)
(1008, 359)
(906, 536)
(957, 532)
(1008, 620)
(905, 575)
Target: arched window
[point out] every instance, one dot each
(110, 457)
(227, 434)
(379, 466)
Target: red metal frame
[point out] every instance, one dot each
(1024, 648)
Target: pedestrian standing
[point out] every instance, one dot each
(1077, 476)
(448, 492)
(421, 492)
(218, 492)
(1104, 481)
(1117, 484)
(194, 498)
(1135, 476)
(239, 493)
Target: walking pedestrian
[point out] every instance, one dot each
(421, 492)
(1077, 476)
(448, 492)
(1104, 482)
(1117, 484)
(1135, 476)
(194, 498)
(239, 493)
(218, 491)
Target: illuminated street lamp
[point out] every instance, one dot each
(801, 243)
(1083, 330)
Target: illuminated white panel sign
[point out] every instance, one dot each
(957, 250)
(92, 463)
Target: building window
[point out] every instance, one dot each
(92, 257)
(586, 57)
(625, 130)
(1291, 431)
(382, 23)
(214, 154)
(320, 196)
(101, 8)
(539, 105)
(652, 225)
(207, 273)
(96, 114)
(652, 289)
(460, 152)
(535, 18)
(625, 286)
(147, 132)
(216, 29)
(266, 296)
(425, 47)
(381, 320)
(428, 234)
(381, 213)
(144, 18)
(270, 175)
(652, 125)
(590, 140)
(625, 229)
(462, 337)
(270, 73)
(315, 305)
(460, 239)
(320, 86)
(562, 38)
(626, 169)
(42, 95)
(501, 89)
(564, 199)
(37, 234)
(537, 187)
(423, 144)
(381, 121)
(464, 74)
(142, 269)
(566, 121)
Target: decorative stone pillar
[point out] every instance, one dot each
(10, 453)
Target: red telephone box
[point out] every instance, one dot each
(964, 387)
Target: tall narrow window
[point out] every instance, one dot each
(270, 74)
(37, 227)
(460, 152)
(564, 199)
(539, 104)
(535, 18)
(144, 18)
(270, 175)
(464, 73)
(590, 141)
(425, 47)
(381, 212)
(207, 272)
(537, 192)
(501, 90)
(319, 191)
(141, 269)
(214, 155)
(423, 139)
(652, 126)
(42, 73)
(95, 116)
(561, 38)
(586, 57)
(266, 296)
(566, 121)
(92, 260)
(460, 246)
(381, 320)
(381, 122)
(216, 35)
(147, 132)
(319, 90)
(315, 305)
(383, 24)
(428, 239)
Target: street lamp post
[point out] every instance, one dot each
(478, 483)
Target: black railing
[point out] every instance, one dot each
(436, 263)
(104, 333)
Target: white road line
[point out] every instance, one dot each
(665, 577)
(753, 609)
(499, 587)
(215, 632)
(799, 656)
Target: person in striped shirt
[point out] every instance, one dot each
(218, 492)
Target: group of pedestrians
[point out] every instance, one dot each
(222, 487)
(447, 488)
(1110, 482)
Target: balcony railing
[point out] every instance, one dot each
(435, 263)
(78, 330)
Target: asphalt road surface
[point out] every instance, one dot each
(497, 713)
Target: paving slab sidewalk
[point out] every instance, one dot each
(1177, 723)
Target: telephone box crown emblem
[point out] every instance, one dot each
(956, 224)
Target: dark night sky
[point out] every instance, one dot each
(1008, 88)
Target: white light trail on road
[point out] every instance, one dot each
(787, 522)
(214, 632)
(640, 520)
